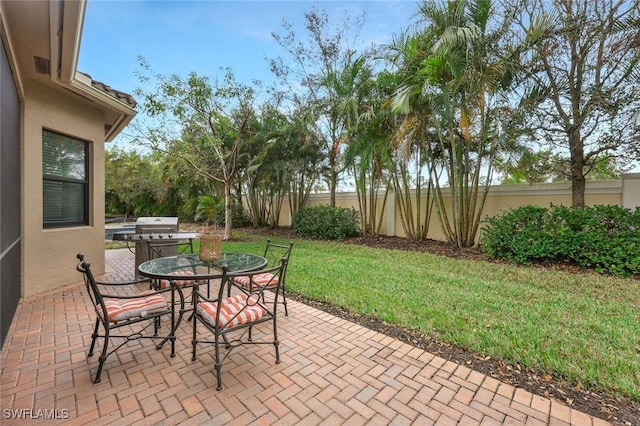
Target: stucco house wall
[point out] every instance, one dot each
(49, 254)
(41, 42)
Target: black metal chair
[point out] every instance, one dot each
(120, 308)
(273, 252)
(231, 319)
(159, 249)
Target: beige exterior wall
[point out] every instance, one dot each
(49, 255)
(631, 190)
(624, 192)
(505, 197)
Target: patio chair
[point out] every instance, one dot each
(158, 249)
(231, 319)
(117, 307)
(273, 253)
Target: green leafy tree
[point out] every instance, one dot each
(202, 123)
(280, 161)
(583, 82)
(265, 174)
(298, 143)
(544, 166)
(311, 80)
(129, 178)
(525, 166)
(416, 150)
(181, 189)
(370, 127)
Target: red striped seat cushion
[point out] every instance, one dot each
(234, 310)
(265, 279)
(124, 309)
(181, 283)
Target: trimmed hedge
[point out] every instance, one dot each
(605, 238)
(326, 223)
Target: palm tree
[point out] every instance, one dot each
(464, 79)
(365, 137)
(416, 153)
(283, 159)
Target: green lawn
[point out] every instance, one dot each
(583, 327)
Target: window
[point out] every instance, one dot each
(65, 187)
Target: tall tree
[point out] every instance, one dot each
(467, 78)
(281, 161)
(309, 78)
(365, 136)
(416, 151)
(301, 146)
(202, 123)
(584, 81)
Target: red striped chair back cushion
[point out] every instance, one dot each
(265, 279)
(166, 283)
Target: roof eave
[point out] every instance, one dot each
(66, 24)
(73, 14)
(125, 112)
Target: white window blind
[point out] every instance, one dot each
(65, 183)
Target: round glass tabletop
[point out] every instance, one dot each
(189, 266)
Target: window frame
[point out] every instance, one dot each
(84, 183)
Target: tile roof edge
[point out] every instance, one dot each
(124, 97)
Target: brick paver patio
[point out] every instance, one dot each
(332, 372)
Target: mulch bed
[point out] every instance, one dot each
(546, 384)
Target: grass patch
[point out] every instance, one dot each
(112, 245)
(585, 328)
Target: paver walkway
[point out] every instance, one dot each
(332, 372)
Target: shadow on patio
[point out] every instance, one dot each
(332, 372)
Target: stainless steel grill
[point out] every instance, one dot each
(155, 237)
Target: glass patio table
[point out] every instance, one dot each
(190, 267)
(187, 268)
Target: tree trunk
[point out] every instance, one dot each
(333, 171)
(333, 184)
(577, 168)
(333, 179)
(228, 221)
(577, 186)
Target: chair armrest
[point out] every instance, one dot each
(199, 296)
(140, 295)
(136, 280)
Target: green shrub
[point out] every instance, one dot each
(605, 238)
(239, 216)
(211, 210)
(326, 223)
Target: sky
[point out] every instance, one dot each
(178, 37)
(181, 36)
